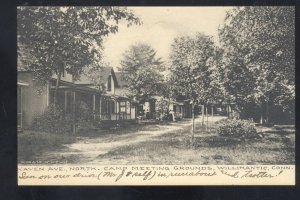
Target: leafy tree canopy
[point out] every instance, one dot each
(66, 37)
(194, 67)
(141, 67)
(259, 54)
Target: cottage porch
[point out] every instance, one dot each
(100, 107)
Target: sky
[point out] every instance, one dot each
(160, 25)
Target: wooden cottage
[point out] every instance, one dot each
(110, 104)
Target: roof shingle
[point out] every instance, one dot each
(120, 79)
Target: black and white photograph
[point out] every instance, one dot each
(156, 85)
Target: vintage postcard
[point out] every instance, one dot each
(156, 95)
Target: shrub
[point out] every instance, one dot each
(53, 120)
(84, 117)
(241, 129)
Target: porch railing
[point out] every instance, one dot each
(117, 116)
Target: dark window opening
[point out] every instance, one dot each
(109, 83)
(68, 106)
(113, 107)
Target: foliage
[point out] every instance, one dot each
(259, 56)
(241, 129)
(53, 121)
(194, 67)
(84, 116)
(142, 69)
(66, 38)
(162, 106)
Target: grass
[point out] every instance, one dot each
(122, 130)
(32, 144)
(277, 147)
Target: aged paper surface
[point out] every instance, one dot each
(157, 175)
(186, 96)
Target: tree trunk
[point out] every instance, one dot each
(262, 113)
(206, 118)
(193, 122)
(73, 107)
(267, 112)
(228, 107)
(202, 115)
(57, 86)
(212, 112)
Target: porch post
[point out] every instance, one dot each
(107, 107)
(73, 112)
(116, 113)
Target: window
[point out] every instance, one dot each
(97, 105)
(104, 107)
(128, 107)
(108, 106)
(122, 107)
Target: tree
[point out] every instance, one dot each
(191, 70)
(259, 49)
(66, 38)
(141, 67)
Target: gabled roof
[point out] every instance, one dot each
(120, 79)
(104, 73)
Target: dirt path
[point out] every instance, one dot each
(86, 150)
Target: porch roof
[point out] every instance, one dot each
(22, 83)
(90, 89)
(68, 85)
(176, 103)
(117, 97)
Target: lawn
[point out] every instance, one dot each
(33, 145)
(276, 147)
(173, 147)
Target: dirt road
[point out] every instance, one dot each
(86, 150)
